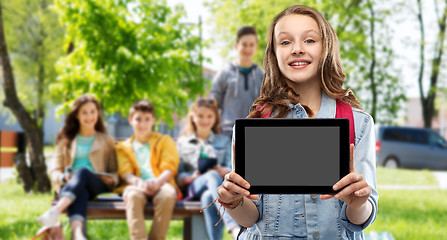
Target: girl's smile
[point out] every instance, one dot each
(299, 63)
(88, 115)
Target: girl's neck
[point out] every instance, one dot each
(86, 131)
(245, 63)
(203, 134)
(310, 94)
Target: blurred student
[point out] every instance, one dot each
(237, 85)
(147, 164)
(85, 165)
(205, 158)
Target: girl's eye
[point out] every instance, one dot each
(285, 43)
(309, 41)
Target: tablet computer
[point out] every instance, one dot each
(292, 156)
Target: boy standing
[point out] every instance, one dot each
(147, 164)
(239, 84)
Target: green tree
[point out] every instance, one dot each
(353, 20)
(34, 40)
(125, 50)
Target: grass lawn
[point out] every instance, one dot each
(18, 213)
(412, 214)
(406, 214)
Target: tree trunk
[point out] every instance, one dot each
(32, 131)
(429, 101)
(422, 59)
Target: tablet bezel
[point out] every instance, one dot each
(239, 163)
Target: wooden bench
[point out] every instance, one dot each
(112, 207)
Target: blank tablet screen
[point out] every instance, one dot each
(292, 155)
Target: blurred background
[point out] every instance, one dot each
(393, 53)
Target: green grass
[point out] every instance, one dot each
(412, 215)
(407, 214)
(18, 213)
(404, 177)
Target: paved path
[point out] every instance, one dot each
(442, 178)
(407, 187)
(6, 173)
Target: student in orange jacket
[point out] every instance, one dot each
(147, 164)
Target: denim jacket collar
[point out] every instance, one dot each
(327, 108)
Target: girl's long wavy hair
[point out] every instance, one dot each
(72, 125)
(276, 94)
(190, 127)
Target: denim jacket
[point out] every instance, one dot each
(189, 147)
(306, 216)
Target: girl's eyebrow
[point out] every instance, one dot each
(304, 32)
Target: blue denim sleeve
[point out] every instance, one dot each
(259, 204)
(365, 164)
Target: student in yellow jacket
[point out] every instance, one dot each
(147, 165)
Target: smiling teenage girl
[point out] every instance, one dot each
(199, 173)
(84, 147)
(304, 78)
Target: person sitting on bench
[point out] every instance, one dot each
(85, 165)
(147, 164)
(205, 158)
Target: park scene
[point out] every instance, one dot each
(133, 102)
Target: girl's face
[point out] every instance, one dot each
(298, 47)
(246, 46)
(204, 118)
(88, 115)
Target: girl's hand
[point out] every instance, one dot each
(189, 179)
(108, 180)
(231, 191)
(357, 190)
(67, 177)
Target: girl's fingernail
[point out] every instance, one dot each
(335, 187)
(247, 194)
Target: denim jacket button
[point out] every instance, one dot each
(313, 196)
(316, 235)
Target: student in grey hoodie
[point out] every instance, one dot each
(237, 85)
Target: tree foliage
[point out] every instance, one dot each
(34, 39)
(350, 19)
(126, 50)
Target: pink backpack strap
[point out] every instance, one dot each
(344, 110)
(259, 108)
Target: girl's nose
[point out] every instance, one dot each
(297, 50)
